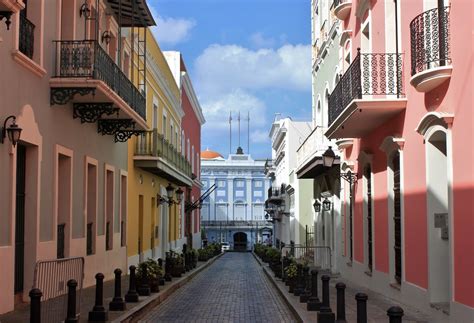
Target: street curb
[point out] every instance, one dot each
(140, 310)
(280, 292)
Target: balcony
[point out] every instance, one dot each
(342, 8)
(430, 49)
(241, 224)
(308, 155)
(153, 153)
(86, 75)
(369, 94)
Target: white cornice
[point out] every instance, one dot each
(188, 87)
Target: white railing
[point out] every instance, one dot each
(315, 143)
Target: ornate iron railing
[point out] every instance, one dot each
(27, 36)
(430, 45)
(86, 58)
(375, 75)
(153, 143)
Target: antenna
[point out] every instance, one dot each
(230, 132)
(248, 132)
(238, 119)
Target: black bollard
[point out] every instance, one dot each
(98, 313)
(395, 314)
(117, 303)
(325, 314)
(132, 295)
(71, 302)
(314, 304)
(35, 307)
(299, 288)
(341, 303)
(168, 276)
(306, 294)
(361, 299)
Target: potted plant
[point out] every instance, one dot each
(291, 272)
(148, 277)
(177, 264)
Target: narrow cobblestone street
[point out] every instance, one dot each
(233, 289)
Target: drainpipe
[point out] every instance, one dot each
(396, 49)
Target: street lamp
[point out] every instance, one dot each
(326, 204)
(170, 194)
(328, 161)
(13, 131)
(317, 206)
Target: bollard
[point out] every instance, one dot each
(314, 304)
(35, 307)
(168, 276)
(305, 295)
(341, 303)
(325, 314)
(98, 313)
(298, 290)
(117, 303)
(71, 302)
(395, 314)
(132, 295)
(361, 299)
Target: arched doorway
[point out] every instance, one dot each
(438, 216)
(240, 241)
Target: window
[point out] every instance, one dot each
(188, 155)
(257, 193)
(239, 193)
(192, 159)
(220, 193)
(123, 210)
(258, 183)
(109, 207)
(163, 127)
(239, 183)
(63, 200)
(220, 183)
(171, 134)
(183, 144)
(91, 204)
(155, 116)
(397, 217)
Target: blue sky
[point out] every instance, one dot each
(247, 55)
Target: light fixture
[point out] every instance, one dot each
(84, 11)
(179, 195)
(326, 204)
(13, 131)
(169, 191)
(317, 206)
(106, 37)
(328, 157)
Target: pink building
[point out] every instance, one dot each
(64, 77)
(401, 112)
(191, 124)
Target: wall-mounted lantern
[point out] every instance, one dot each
(13, 131)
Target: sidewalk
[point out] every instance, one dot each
(377, 304)
(134, 310)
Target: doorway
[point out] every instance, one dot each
(140, 228)
(240, 241)
(439, 273)
(20, 219)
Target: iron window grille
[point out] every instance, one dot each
(27, 36)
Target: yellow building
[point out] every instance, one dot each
(156, 165)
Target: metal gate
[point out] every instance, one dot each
(51, 277)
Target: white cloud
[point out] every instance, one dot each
(259, 40)
(259, 136)
(172, 31)
(217, 108)
(225, 67)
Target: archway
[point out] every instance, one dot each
(438, 216)
(240, 241)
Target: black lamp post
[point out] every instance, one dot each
(13, 131)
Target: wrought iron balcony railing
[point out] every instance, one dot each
(152, 143)
(372, 75)
(27, 37)
(87, 59)
(430, 45)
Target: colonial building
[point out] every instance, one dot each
(401, 114)
(193, 119)
(65, 82)
(287, 199)
(157, 166)
(234, 212)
